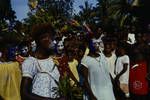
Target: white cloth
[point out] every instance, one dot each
(111, 64)
(43, 83)
(99, 78)
(119, 67)
(131, 38)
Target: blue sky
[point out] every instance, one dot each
(21, 8)
(77, 3)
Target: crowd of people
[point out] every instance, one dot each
(100, 64)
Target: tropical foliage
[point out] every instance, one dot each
(122, 11)
(68, 91)
(54, 11)
(106, 13)
(6, 11)
(8, 23)
(86, 14)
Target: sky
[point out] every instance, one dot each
(77, 3)
(21, 8)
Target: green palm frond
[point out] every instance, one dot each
(123, 19)
(120, 11)
(68, 91)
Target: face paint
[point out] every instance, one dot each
(33, 46)
(96, 43)
(24, 50)
(60, 47)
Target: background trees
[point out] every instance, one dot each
(6, 13)
(55, 11)
(7, 22)
(109, 14)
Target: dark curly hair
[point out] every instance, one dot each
(40, 29)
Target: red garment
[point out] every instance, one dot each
(137, 81)
(63, 65)
(63, 68)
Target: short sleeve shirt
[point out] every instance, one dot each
(44, 74)
(119, 67)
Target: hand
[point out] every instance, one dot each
(20, 59)
(117, 80)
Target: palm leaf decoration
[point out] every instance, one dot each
(121, 11)
(68, 91)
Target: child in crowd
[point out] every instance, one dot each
(122, 71)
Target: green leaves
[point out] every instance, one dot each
(121, 12)
(70, 92)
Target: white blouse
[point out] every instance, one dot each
(44, 74)
(99, 78)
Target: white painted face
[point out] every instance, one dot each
(60, 47)
(33, 46)
(96, 42)
(25, 50)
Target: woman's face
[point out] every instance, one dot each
(45, 41)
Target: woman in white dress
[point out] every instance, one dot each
(39, 73)
(97, 80)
